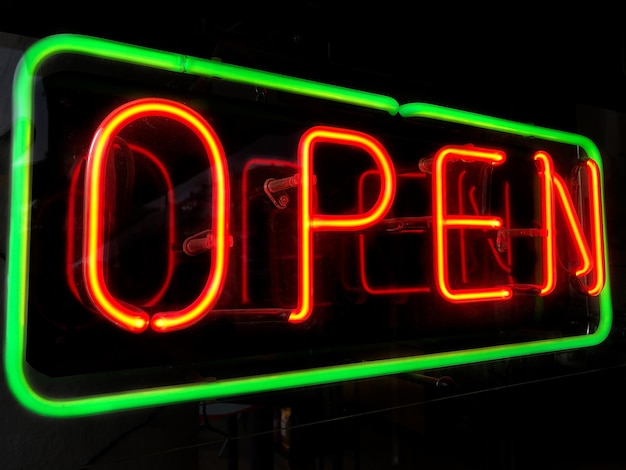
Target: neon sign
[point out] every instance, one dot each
(216, 225)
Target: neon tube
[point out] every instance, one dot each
(545, 167)
(443, 221)
(601, 285)
(310, 222)
(74, 225)
(600, 273)
(37, 401)
(71, 256)
(123, 314)
(562, 195)
(463, 247)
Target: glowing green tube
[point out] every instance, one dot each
(16, 367)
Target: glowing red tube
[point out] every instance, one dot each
(573, 224)
(125, 315)
(507, 222)
(309, 221)
(463, 247)
(73, 222)
(591, 262)
(443, 221)
(546, 177)
(598, 274)
(71, 258)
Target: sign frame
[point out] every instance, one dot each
(16, 309)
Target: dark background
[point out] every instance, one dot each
(519, 61)
(562, 69)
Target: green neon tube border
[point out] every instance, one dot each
(19, 223)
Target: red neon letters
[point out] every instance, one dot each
(443, 221)
(131, 317)
(451, 219)
(310, 221)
